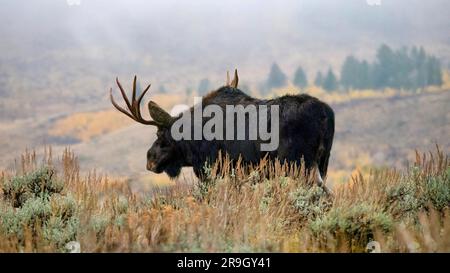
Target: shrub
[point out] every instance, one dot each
(437, 190)
(418, 191)
(98, 223)
(268, 207)
(41, 182)
(357, 223)
(33, 202)
(310, 202)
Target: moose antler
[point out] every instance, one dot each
(160, 117)
(234, 82)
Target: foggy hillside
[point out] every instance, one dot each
(49, 47)
(376, 131)
(58, 59)
(73, 169)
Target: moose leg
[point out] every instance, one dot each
(199, 173)
(321, 183)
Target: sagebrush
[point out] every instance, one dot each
(268, 207)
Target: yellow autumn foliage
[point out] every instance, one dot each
(86, 125)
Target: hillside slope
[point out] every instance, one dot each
(386, 131)
(380, 132)
(377, 131)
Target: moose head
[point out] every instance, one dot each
(166, 154)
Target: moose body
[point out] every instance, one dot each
(306, 130)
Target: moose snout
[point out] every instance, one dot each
(151, 166)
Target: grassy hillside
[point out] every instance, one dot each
(372, 129)
(47, 203)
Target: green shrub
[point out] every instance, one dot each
(33, 214)
(34, 202)
(98, 223)
(310, 202)
(59, 231)
(437, 190)
(64, 207)
(402, 200)
(41, 182)
(9, 222)
(34, 210)
(357, 223)
(416, 192)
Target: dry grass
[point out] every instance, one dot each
(84, 126)
(340, 96)
(336, 97)
(269, 207)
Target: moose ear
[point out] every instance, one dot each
(234, 82)
(159, 115)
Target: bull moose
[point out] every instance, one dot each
(306, 130)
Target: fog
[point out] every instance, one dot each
(58, 59)
(207, 35)
(54, 47)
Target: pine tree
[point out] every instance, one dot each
(300, 79)
(401, 68)
(434, 71)
(330, 82)
(423, 75)
(276, 77)
(384, 67)
(203, 87)
(419, 77)
(319, 79)
(365, 79)
(350, 73)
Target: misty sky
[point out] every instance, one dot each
(198, 35)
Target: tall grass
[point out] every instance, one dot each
(267, 207)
